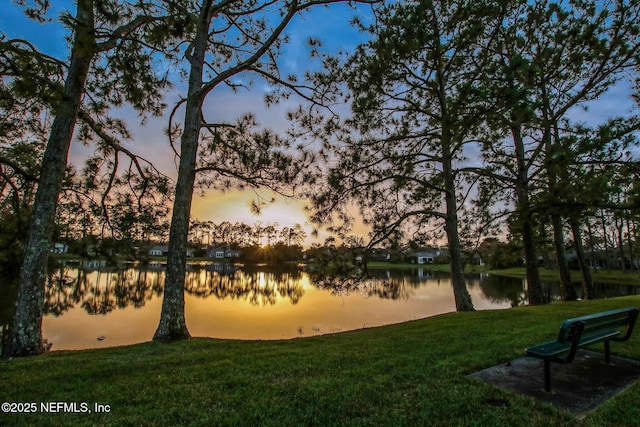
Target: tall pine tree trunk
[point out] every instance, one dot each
(534, 285)
(587, 281)
(523, 209)
(460, 293)
(458, 280)
(605, 240)
(619, 227)
(172, 324)
(632, 258)
(567, 291)
(25, 335)
(554, 175)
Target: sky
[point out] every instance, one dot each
(330, 24)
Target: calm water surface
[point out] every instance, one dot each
(90, 304)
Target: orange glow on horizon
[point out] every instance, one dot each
(234, 206)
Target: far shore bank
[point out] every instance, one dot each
(617, 277)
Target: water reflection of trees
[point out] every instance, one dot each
(100, 288)
(258, 286)
(401, 284)
(500, 289)
(60, 292)
(386, 284)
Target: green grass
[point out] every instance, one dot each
(413, 373)
(605, 276)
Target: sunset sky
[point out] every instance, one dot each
(330, 24)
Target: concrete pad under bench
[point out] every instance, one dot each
(578, 387)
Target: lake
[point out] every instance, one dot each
(90, 304)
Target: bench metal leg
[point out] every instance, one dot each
(607, 355)
(547, 375)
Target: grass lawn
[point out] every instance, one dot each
(604, 276)
(599, 276)
(407, 374)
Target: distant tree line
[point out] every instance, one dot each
(240, 234)
(260, 242)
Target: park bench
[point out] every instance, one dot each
(614, 325)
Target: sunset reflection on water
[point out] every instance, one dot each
(105, 307)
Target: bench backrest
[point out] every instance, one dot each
(614, 319)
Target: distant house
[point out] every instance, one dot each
(424, 257)
(593, 259)
(163, 250)
(223, 252)
(59, 248)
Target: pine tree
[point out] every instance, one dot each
(103, 35)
